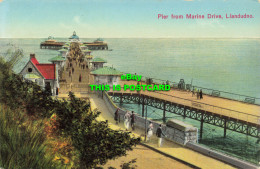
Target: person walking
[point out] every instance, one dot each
(80, 78)
(159, 134)
(116, 115)
(72, 70)
(71, 87)
(133, 121)
(127, 120)
(198, 94)
(201, 95)
(150, 131)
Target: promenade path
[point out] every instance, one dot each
(71, 82)
(151, 160)
(231, 108)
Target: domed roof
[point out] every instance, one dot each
(74, 36)
(100, 40)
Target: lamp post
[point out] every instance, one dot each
(145, 124)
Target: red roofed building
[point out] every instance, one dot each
(44, 74)
(47, 70)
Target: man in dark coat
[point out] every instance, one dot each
(159, 134)
(80, 78)
(133, 120)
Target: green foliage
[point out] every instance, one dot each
(95, 142)
(20, 94)
(22, 143)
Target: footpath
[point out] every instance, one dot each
(168, 148)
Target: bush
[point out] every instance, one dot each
(95, 142)
(22, 143)
(24, 147)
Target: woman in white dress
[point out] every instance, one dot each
(150, 131)
(127, 120)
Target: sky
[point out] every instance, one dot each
(127, 18)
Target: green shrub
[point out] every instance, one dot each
(95, 142)
(22, 143)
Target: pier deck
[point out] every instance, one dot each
(231, 108)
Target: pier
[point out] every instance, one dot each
(58, 45)
(51, 45)
(225, 113)
(96, 46)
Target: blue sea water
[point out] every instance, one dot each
(231, 65)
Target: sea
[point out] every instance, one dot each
(230, 65)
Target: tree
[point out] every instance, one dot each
(95, 142)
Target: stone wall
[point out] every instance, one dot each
(186, 138)
(172, 134)
(220, 156)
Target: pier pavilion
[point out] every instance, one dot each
(106, 76)
(98, 44)
(63, 52)
(97, 63)
(58, 60)
(83, 47)
(51, 44)
(74, 38)
(86, 51)
(43, 74)
(66, 47)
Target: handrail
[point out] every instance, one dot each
(229, 111)
(208, 104)
(211, 90)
